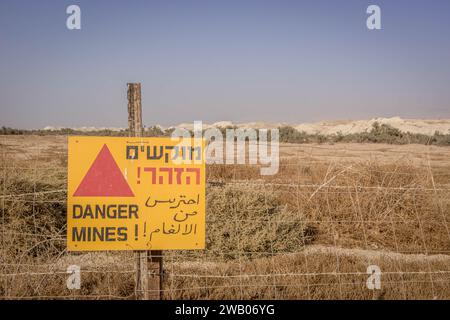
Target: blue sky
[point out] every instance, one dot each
(289, 61)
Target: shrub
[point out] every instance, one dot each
(379, 133)
(251, 220)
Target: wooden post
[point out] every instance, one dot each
(149, 269)
(155, 262)
(134, 109)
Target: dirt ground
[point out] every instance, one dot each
(309, 232)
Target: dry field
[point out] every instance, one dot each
(309, 232)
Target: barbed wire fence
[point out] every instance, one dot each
(310, 232)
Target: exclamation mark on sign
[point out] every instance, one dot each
(139, 175)
(136, 232)
(145, 229)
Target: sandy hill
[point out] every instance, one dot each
(428, 127)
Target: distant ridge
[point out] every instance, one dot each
(427, 127)
(422, 126)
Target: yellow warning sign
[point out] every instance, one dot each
(135, 194)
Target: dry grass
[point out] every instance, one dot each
(314, 273)
(307, 233)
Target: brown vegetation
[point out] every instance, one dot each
(310, 232)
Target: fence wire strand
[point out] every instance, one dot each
(310, 232)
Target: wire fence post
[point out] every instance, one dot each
(147, 262)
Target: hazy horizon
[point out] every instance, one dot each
(253, 61)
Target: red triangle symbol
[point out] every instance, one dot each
(104, 178)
